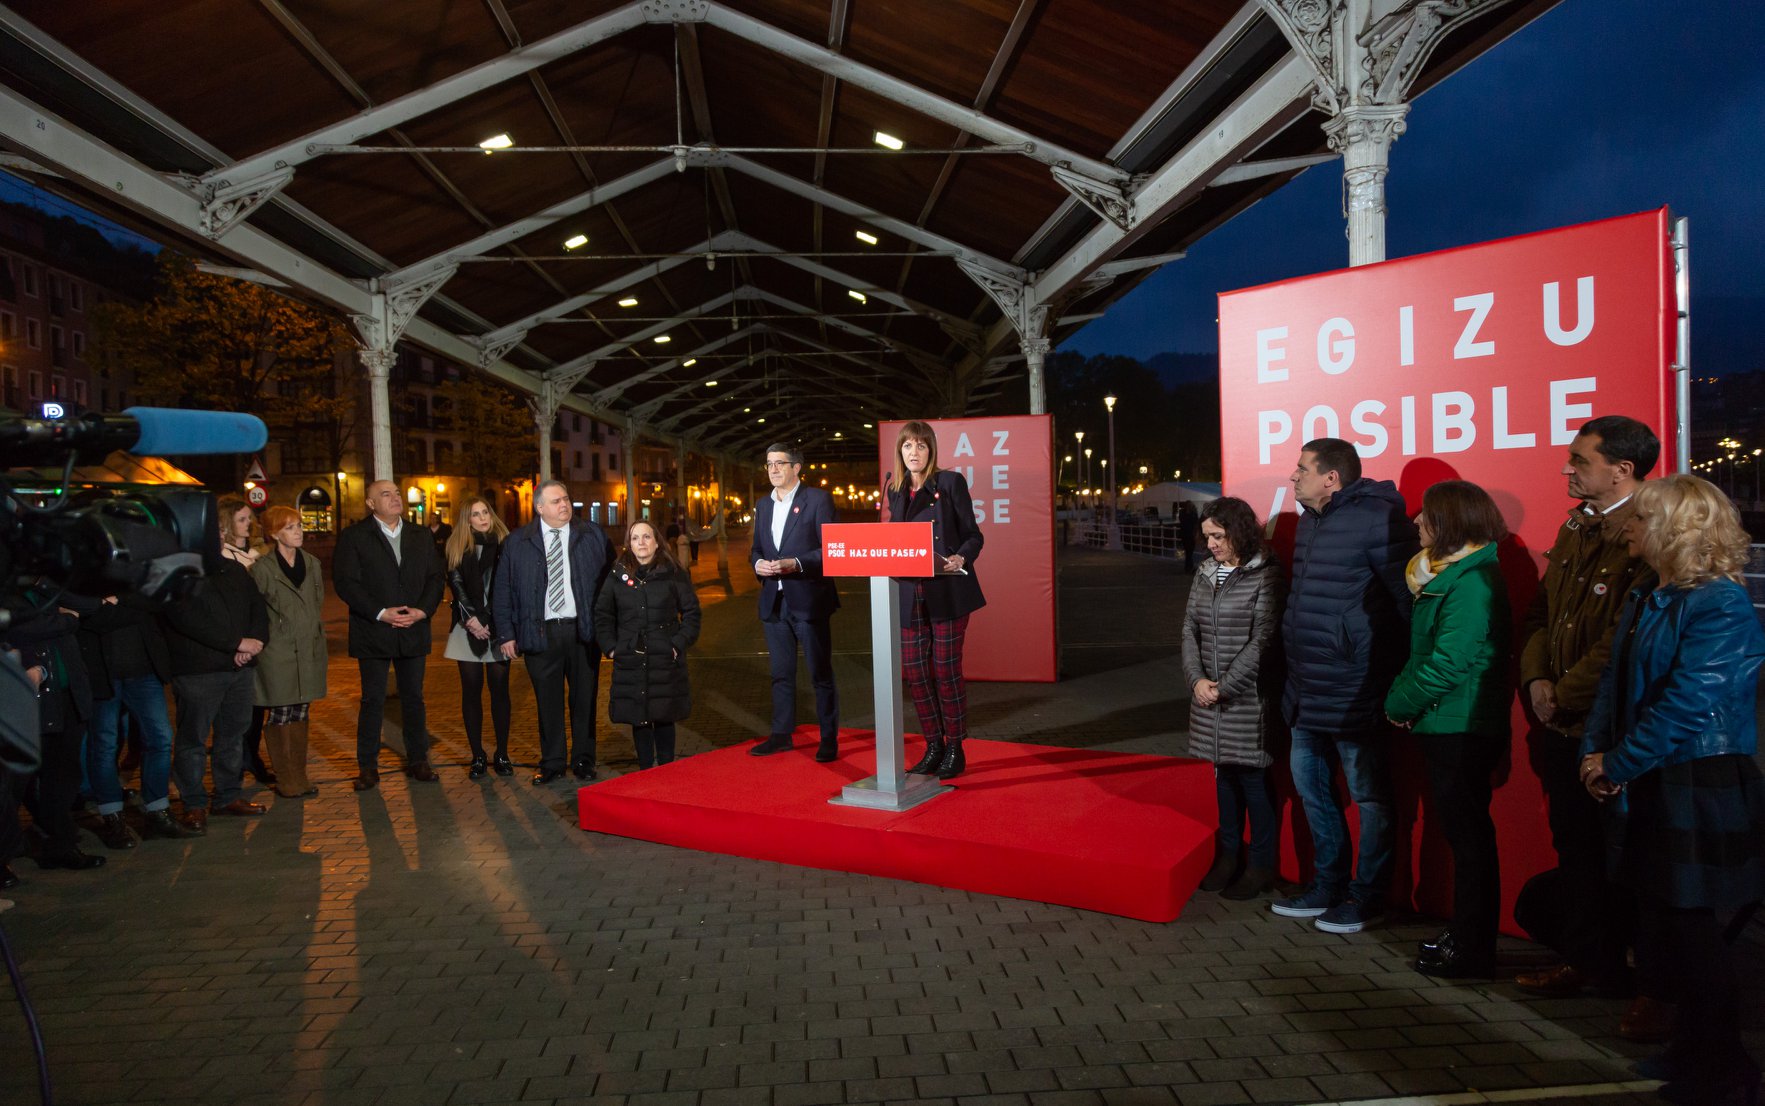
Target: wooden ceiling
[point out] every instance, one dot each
(195, 86)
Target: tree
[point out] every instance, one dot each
(212, 342)
(497, 439)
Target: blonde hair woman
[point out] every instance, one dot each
(472, 553)
(240, 538)
(1669, 747)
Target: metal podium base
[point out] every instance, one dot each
(870, 793)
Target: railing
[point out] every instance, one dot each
(1145, 537)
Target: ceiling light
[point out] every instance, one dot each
(857, 295)
(762, 418)
(503, 142)
(663, 339)
(836, 433)
(628, 301)
(575, 241)
(689, 362)
(867, 426)
(745, 410)
(867, 238)
(882, 139)
(710, 384)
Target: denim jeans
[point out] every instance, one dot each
(1362, 757)
(1244, 791)
(144, 696)
(217, 702)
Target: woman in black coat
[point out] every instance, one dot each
(935, 609)
(472, 552)
(646, 617)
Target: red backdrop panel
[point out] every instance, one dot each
(1476, 363)
(1009, 465)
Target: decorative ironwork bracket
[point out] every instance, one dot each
(225, 206)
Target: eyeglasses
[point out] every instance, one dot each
(781, 464)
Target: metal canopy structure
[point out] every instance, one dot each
(699, 190)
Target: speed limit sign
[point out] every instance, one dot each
(257, 496)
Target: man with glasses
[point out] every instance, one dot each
(796, 601)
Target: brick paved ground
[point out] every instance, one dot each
(462, 942)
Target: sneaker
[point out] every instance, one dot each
(1348, 917)
(1312, 903)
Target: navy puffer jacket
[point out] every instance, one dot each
(1346, 625)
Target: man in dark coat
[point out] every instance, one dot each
(1345, 632)
(214, 637)
(796, 601)
(389, 575)
(542, 607)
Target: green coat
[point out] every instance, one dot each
(291, 669)
(1456, 680)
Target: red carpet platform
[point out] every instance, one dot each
(1117, 833)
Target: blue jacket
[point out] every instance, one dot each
(1348, 608)
(1687, 685)
(808, 593)
(517, 595)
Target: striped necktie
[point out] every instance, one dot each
(554, 570)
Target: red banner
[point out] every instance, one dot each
(1009, 465)
(1477, 363)
(877, 549)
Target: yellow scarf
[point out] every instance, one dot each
(1423, 568)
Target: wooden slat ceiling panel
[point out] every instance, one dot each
(395, 209)
(537, 19)
(193, 74)
(394, 47)
(1087, 69)
(996, 203)
(895, 184)
(943, 48)
(757, 98)
(807, 19)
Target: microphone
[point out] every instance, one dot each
(148, 431)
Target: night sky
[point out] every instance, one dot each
(1599, 108)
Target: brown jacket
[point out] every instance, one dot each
(1568, 634)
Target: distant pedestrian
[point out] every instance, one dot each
(646, 618)
(1231, 636)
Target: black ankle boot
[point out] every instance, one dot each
(479, 767)
(953, 762)
(1224, 871)
(928, 764)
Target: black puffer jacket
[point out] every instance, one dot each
(646, 622)
(1346, 626)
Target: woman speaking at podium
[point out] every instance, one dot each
(935, 609)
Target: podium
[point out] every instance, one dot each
(881, 551)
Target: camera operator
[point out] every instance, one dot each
(215, 636)
(46, 642)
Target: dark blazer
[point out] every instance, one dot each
(204, 629)
(517, 595)
(369, 579)
(808, 593)
(944, 502)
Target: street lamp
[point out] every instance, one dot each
(1115, 536)
(1093, 503)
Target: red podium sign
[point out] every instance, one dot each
(877, 549)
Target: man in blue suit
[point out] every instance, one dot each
(796, 601)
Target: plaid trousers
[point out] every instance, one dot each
(931, 667)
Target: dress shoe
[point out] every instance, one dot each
(502, 765)
(547, 775)
(1432, 948)
(953, 762)
(1224, 871)
(829, 751)
(1648, 1019)
(239, 808)
(1254, 883)
(420, 771)
(367, 781)
(71, 859)
(583, 769)
(115, 833)
(769, 746)
(1558, 982)
(928, 764)
(479, 767)
(1450, 961)
(8, 879)
(195, 821)
(161, 824)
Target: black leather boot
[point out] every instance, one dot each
(1224, 871)
(928, 764)
(953, 763)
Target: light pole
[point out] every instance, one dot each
(1091, 497)
(1115, 534)
(1756, 462)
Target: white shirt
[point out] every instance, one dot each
(1589, 510)
(781, 513)
(567, 608)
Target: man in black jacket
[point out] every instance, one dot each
(542, 607)
(214, 637)
(1345, 636)
(388, 573)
